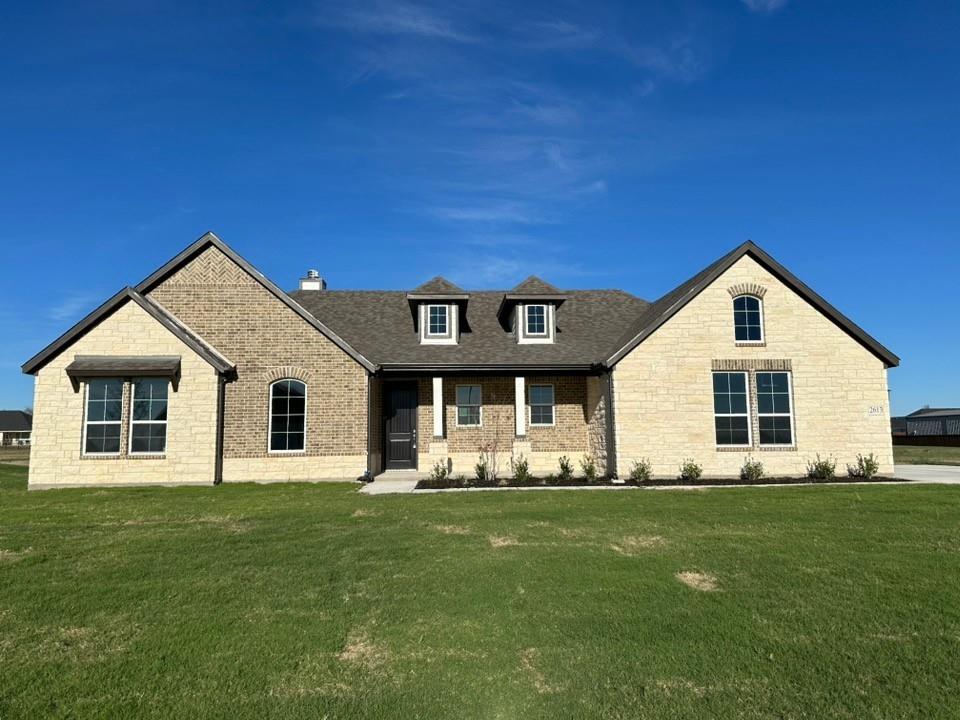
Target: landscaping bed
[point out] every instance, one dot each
(463, 483)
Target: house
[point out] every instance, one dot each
(15, 426)
(207, 372)
(933, 421)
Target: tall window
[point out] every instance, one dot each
(468, 405)
(747, 319)
(730, 408)
(541, 404)
(288, 410)
(104, 410)
(773, 408)
(536, 319)
(437, 320)
(148, 417)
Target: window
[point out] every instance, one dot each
(541, 404)
(468, 405)
(104, 410)
(536, 319)
(437, 320)
(747, 319)
(148, 416)
(288, 409)
(773, 408)
(730, 410)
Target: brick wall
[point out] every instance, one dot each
(267, 341)
(663, 394)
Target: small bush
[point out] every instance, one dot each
(822, 468)
(589, 466)
(521, 471)
(752, 470)
(481, 473)
(690, 470)
(865, 468)
(641, 471)
(439, 472)
(566, 470)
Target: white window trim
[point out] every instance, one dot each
(553, 405)
(763, 328)
(453, 325)
(793, 429)
(456, 404)
(306, 390)
(87, 423)
(546, 320)
(525, 338)
(446, 318)
(748, 414)
(133, 422)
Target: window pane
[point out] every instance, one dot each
(732, 430)
(721, 383)
(279, 405)
(775, 431)
(541, 394)
(437, 320)
(278, 441)
(738, 383)
(280, 423)
(296, 406)
(721, 403)
(296, 389)
(103, 438)
(295, 423)
(468, 415)
(287, 415)
(468, 395)
(746, 319)
(536, 319)
(541, 414)
(295, 441)
(148, 438)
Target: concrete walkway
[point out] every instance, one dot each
(946, 474)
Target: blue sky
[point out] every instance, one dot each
(385, 142)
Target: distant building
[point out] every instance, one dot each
(931, 421)
(15, 427)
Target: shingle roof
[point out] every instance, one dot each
(934, 412)
(380, 324)
(437, 285)
(15, 421)
(535, 286)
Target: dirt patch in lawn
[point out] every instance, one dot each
(451, 529)
(704, 582)
(360, 513)
(499, 541)
(528, 663)
(638, 544)
(14, 555)
(359, 650)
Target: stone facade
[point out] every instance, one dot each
(268, 341)
(56, 458)
(663, 395)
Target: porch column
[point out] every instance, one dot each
(438, 407)
(520, 405)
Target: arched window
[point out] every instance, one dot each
(748, 319)
(288, 415)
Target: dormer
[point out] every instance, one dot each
(437, 306)
(531, 311)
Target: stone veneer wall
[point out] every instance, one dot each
(268, 341)
(56, 457)
(663, 395)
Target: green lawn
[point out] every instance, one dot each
(311, 601)
(921, 455)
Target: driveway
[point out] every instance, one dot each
(949, 474)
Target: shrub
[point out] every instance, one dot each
(690, 470)
(752, 470)
(822, 468)
(521, 471)
(481, 471)
(865, 468)
(439, 472)
(641, 471)
(589, 466)
(566, 469)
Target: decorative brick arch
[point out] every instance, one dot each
(286, 372)
(747, 289)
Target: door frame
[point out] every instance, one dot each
(388, 387)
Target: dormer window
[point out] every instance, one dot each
(438, 324)
(536, 316)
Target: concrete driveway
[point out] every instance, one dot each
(948, 474)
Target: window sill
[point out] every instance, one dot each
(100, 456)
(732, 448)
(281, 453)
(147, 456)
(777, 448)
(750, 343)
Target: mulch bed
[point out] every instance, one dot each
(455, 483)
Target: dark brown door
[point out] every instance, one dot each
(400, 411)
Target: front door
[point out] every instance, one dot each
(400, 434)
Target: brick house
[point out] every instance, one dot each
(207, 372)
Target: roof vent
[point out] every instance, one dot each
(313, 281)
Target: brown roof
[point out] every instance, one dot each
(535, 286)
(436, 285)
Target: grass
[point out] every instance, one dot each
(922, 455)
(300, 601)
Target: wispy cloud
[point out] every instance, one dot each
(764, 6)
(71, 307)
(395, 18)
(495, 212)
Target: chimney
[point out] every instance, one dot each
(313, 281)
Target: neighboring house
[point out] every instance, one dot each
(933, 421)
(206, 372)
(15, 427)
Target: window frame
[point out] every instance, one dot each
(793, 429)
(131, 422)
(747, 414)
(552, 405)
(526, 320)
(306, 390)
(763, 333)
(87, 421)
(479, 405)
(446, 321)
